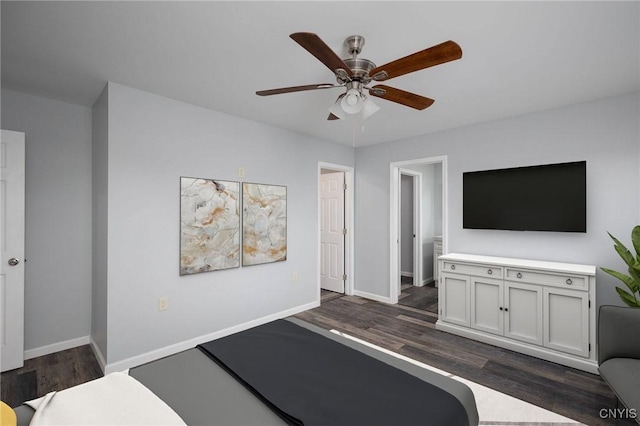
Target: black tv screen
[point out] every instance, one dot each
(550, 197)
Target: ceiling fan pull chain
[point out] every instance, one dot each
(353, 131)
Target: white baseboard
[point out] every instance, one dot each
(426, 281)
(56, 347)
(372, 296)
(99, 355)
(188, 344)
(406, 274)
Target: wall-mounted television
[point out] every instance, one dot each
(550, 197)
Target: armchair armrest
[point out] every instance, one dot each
(618, 333)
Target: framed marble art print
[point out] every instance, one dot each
(264, 223)
(209, 225)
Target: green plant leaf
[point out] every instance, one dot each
(628, 298)
(632, 281)
(624, 252)
(635, 239)
(622, 277)
(633, 272)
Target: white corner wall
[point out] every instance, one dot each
(152, 141)
(58, 219)
(100, 174)
(605, 133)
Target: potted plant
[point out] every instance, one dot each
(632, 281)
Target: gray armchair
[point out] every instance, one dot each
(619, 353)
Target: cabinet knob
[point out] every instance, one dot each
(519, 275)
(500, 307)
(569, 282)
(489, 272)
(453, 266)
(506, 309)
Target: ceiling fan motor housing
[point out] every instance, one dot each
(359, 67)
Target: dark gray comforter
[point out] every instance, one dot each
(202, 393)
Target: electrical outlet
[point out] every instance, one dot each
(294, 277)
(240, 171)
(163, 303)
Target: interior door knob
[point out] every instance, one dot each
(13, 261)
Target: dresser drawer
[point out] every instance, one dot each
(477, 270)
(557, 280)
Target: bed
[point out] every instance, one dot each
(290, 372)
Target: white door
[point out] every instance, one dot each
(523, 312)
(332, 231)
(453, 298)
(12, 241)
(487, 306)
(566, 320)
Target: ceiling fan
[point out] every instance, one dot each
(355, 74)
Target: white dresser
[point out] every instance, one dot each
(437, 251)
(542, 309)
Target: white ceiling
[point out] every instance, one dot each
(519, 57)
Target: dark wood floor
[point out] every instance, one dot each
(424, 298)
(402, 328)
(411, 332)
(44, 374)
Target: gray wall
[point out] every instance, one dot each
(406, 225)
(58, 216)
(153, 141)
(100, 161)
(437, 199)
(605, 133)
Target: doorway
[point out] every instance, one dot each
(428, 176)
(335, 230)
(410, 224)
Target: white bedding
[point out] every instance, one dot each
(115, 399)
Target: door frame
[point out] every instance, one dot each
(349, 223)
(394, 186)
(417, 260)
(14, 329)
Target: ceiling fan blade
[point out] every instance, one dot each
(295, 89)
(435, 55)
(400, 97)
(318, 48)
(333, 117)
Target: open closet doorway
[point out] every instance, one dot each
(335, 229)
(418, 230)
(410, 215)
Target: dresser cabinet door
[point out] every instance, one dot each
(454, 299)
(487, 305)
(523, 312)
(566, 321)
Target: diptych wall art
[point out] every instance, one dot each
(264, 223)
(209, 225)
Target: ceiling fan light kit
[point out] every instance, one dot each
(354, 74)
(336, 110)
(369, 108)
